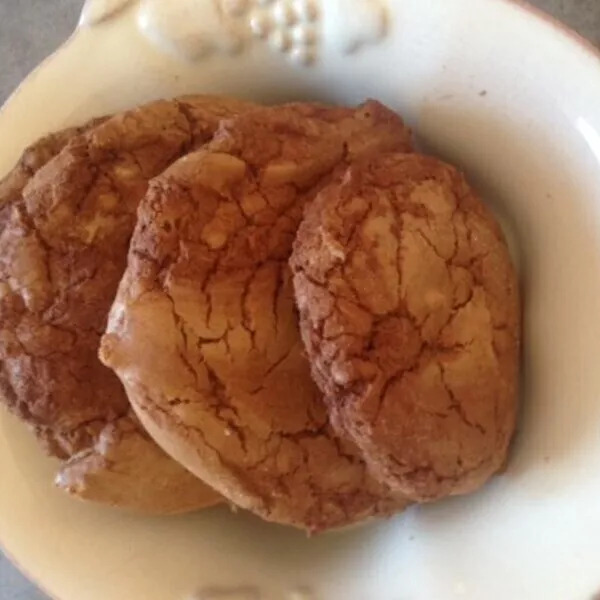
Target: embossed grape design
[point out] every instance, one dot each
(298, 29)
(288, 27)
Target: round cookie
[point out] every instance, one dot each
(409, 310)
(63, 250)
(204, 333)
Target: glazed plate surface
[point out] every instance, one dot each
(489, 85)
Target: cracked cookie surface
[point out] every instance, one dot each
(204, 333)
(409, 310)
(33, 158)
(63, 249)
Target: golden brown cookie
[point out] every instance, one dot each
(35, 157)
(31, 161)
(63, 250)
(409, 310)
(204, 334)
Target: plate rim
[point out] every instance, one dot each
(520, 7)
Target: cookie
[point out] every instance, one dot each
(125, 468)
(409, 310)
(204, 334)
(31, 161)
(63, 250)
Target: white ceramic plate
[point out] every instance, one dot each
(487, 84)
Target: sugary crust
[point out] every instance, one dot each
(35, 157)
(63, 249)
(409, 310)
(204, 334)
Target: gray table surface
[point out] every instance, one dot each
(31, 29)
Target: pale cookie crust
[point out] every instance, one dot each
(63, 250)
(125, 468)
(204, 333)
(409, 310)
